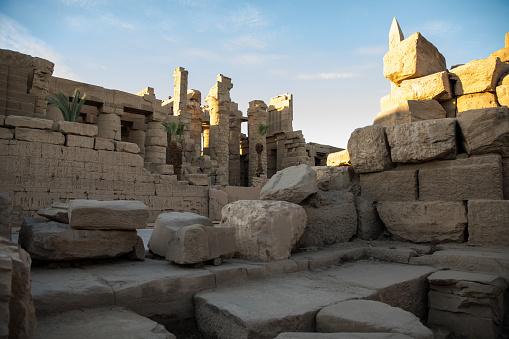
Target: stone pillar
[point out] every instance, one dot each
(155, 143)
(180, 91)
(195, 127)
(219, 102)
(256, 115)
(43, 69)
(206, 140)
(234, 144)
(280, 113)
(108, 122)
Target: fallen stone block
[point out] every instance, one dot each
(55, 214)
(414, 57)
(390, 186)
(5, 215)
(76, 128)
(410, 111)
(420, 221)
(477, 76)
(293, 184)
(53, 241)
(337, 178)
(331, 218)
(369, 225)
(367, 316)
(197, 243)
(431, 87)
(28, 122)
(341, 158)
(503, 95)
(107, 215)
(422, 141)
(478, 177)
(265, 230)
(488, 222)
(369, 150)
(17, 312)
(100, 322)
(485, 130)
(167, 223)
(473, 101)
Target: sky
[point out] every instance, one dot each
(327, 53)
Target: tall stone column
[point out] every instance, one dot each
(256, 115)
(195, 127)
(108, 122)
(235, 134)
(206, 140)
(155, 143)
(219, 102)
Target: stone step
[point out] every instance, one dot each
(289, 303)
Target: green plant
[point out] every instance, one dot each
(176, 131)
(70, 110)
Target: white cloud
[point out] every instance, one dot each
(327, 76)
(437, 28)
(17, 37)
(247, 41)
(247, 18)
(116, 22)
(372, 50)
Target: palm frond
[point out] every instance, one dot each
(70, 111)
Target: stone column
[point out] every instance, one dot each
(108, 122)
(138, 136)
(43, 69)
(235, 134)
(155, 143)
(195, 127)
(206, 140)
(219, 102)
(256, 114)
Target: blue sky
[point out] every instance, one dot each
(328, 54)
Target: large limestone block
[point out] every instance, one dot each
(477, 76)
(503, 95)
(423, 221)
(502, 53)
(168, 223)
(5, 215)
(472, 284)
(100, 322)
(486, 130)
(414, 57)
(488, 222)
(390, 186)
(341, 335)
(434, 86)
(197, 243)
(217, 200)
(265, 230)
(108, 215)
(55, 214)
(478, 177)
(369, 150)
(76, 128)
(422, 141)
(17, 312)
(38, 135)
(198, 179)
(293, 184)
(472, 101)
(341, 158)
(128, 147)
(331, 218)
(28, 122)
(55, 241)
(79, 141)
(409, 111)
(369, 316)
(369, 225)
(337, 178)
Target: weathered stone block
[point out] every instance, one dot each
(104, 144)
(293, 184)
(79, 141)
(410, 111)
(28, 122)
(434, 86)
(56, 214)
(109, 126)
(167, 223)
(331, 218)
(502, 53)
(477, 76)
(390, 186)
(56, 241)
(369, 150)
(472, 101)
(127, 147)
(369, 225)
(488, 222)
(369, 316)
(486, 130)
(503, 95)
(341, 158)
(422, 141)
(422, 221)
(17, 312)
(6, 133)
(414, 57)
(108, 215)
(337, 178)
(217, 200)
(478, 177)
(76, 128)
(38, 135)
(5, 215)
(265, 230)
(197, 243)
(198, 179)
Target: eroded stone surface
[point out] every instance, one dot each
(405, 111)
(337, 178)
(293, 184)
(488, 222)
(477, 76)
(369, 150)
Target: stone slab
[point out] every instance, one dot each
(435, 86)
(79, 141)
(56, 214)
(337, 178)
(410, 111)
(128, 147)
(104, 144)
(390, 186)
(76, 128)
(28, 122)
(477, 76)
(488, 222)
(103, 322)
(369, 150)
(38, 135)
(473, 101)
(293, 184)
(341, 158)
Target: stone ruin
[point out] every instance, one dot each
(403, 235)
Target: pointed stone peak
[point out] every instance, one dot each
(395, 34)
